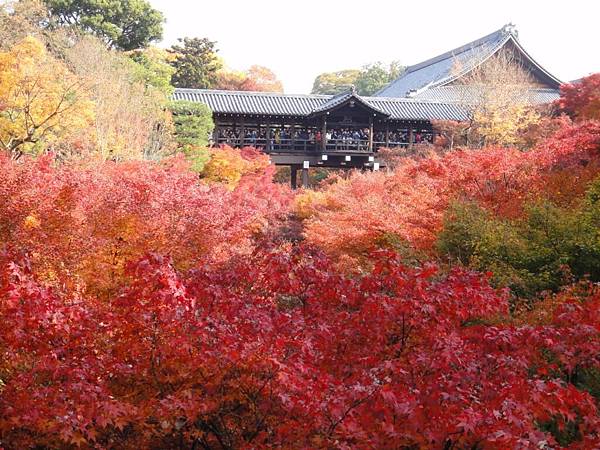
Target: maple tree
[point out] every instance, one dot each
(171, 303)
(230, 80)
(256, 78)
(497, 94)
(21, 19)
(279, 349)
(406, 206)
(260, 78)
(581, 99)
(41, 101)
(357, 214)
(450, 133)
(118, 99)
(147, 308)
(229, 166)
(131, 121)
(81, 223)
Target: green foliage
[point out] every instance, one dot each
(367, 80)
(193, 123)
(463, 227)
(374, 77)
(196, 63)
(473, 237)
(565, 434)
(193, 126)
(153, 68)
(542, 251)
(588, 379)
(198, 156)
(409, 255)
(335, 82)
(122, 24)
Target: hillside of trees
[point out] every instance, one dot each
(156, 293)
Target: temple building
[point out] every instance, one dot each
(440, 78)
(346, 130)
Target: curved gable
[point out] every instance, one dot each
(442, 69)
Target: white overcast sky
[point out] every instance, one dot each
(300, 39)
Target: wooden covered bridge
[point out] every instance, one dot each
(302, 131)
(346, 130)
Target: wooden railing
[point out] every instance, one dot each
(308, 145)
(377, 144)
(291, 145)
(348, 145)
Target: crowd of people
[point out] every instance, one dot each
(400, 137)
(335, 139)
(235, 136)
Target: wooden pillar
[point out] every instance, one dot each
(411, 136)
(294, 176)
(268, 144)
(233, 138)
(371, 133)
(215, 136)
(324, 134)
(293, 136)
(242, 134)
(304, 177)
(387, 135)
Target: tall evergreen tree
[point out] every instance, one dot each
(122, 24)
(196, 63)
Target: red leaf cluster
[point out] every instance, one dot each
(353, 215)
(279, 350)
(581, 99)
(81, 224)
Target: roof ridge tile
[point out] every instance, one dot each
(463, 48)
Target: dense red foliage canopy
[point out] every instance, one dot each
(278, 350)
(144, 307)
(582, 98)
(353, 216)
(81, 224)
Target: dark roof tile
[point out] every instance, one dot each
(275, 104)
(451, 65)
(466, 94)
(436, 70)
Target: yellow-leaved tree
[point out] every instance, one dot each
(504, 124)
(498, 94)
(132, 121)
(41, 101)
(228, 165)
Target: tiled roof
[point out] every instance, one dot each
(242, 102)
(413, 109)
(275, 104)
(344, 97)
(468, 94)
(451, 65)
